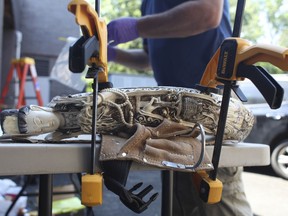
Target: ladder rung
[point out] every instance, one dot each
(27, 97)
(17, 81)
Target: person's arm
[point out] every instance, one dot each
(187, 19)
(133, 58)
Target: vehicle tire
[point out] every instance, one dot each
(279, 159)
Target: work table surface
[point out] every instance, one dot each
(52, 158)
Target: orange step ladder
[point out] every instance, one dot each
(22, 66)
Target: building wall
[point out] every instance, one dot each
(44, 24)
(1, 36)
(9, 52)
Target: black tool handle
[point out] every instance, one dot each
(265, 83)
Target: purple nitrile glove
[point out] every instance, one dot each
(111, 52)
(122, 30)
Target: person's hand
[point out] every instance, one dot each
(111, 51)
(122, 30)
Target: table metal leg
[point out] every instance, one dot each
(45, 195)
(167, 193)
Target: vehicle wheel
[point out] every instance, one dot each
(279, 159)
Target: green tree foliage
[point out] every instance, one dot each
(251, 25)
(264, 21)
(112, 9)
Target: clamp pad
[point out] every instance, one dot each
(210, 191)
(91, 194)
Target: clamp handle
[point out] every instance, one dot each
(265, 83)
(234, 62)
(92, 47)
(234, 51)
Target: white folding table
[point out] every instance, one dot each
(46, 159)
